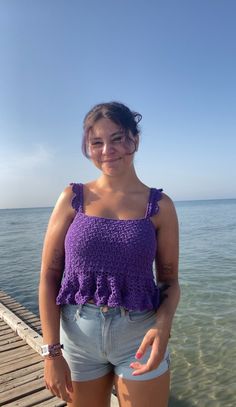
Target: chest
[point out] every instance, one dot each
(90, 235)
(116, 207)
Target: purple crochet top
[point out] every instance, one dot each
(110, 261)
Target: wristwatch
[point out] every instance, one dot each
(51, 350)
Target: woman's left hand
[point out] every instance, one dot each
(157, 337)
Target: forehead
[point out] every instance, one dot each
(104, 127)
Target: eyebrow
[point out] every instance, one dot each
(111, 135)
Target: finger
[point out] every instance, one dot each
(151, 364)
(146, 342)
(64, 395)
(139, 370)
(69, 385)
(55, 391)
(135, 365)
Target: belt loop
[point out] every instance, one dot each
(80, 309)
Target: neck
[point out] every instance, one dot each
(121, 183)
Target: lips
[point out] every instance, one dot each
(111, 161)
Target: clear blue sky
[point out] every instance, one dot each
(174, 61)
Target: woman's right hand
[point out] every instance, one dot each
(58, 378)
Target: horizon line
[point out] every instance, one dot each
(174, 200)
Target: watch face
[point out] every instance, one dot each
(45, 350)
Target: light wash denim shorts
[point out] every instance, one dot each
(99, 340)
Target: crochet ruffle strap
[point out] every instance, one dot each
(77, 200)
(153, 207)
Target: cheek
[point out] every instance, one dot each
(94, 155)
(95, 161)
(129, 146)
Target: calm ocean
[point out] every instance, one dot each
(203, 342)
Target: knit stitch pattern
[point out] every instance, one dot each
(110, 261)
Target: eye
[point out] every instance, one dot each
(96, 143)
(118, 139)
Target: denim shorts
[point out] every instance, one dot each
(98, 340)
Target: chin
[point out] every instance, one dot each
(112, 172)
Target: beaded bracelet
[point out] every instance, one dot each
(50, 357)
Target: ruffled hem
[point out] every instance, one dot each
(146, 303)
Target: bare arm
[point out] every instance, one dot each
(53, 265)
(56, 371)
(167, 274)
(167, 260)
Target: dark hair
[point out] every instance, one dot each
(117, 113)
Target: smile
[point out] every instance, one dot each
(110, 161)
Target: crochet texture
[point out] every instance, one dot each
(110, 261)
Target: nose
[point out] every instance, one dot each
(107, 148)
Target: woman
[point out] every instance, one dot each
(107, 312)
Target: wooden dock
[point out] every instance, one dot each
(21, 365)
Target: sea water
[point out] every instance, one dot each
(203, 338)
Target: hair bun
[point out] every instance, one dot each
(137, 117)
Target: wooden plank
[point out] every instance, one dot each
(27, 316)
(5, 332)
(12, 345)
(17, 354)
(21, 328)
(18, 363)
(44, 399)
(11, 367)
(8, 341)
(39, 398)
(21, 371)
(51, 403)
(20, 391)
(22, 378)
(114, 401)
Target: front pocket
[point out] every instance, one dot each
(140, 316)
(69, 312)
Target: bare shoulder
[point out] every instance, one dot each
(67, 194)
(166, 202)
(63, 207)
(167, 212)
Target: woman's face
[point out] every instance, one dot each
(109, 148)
